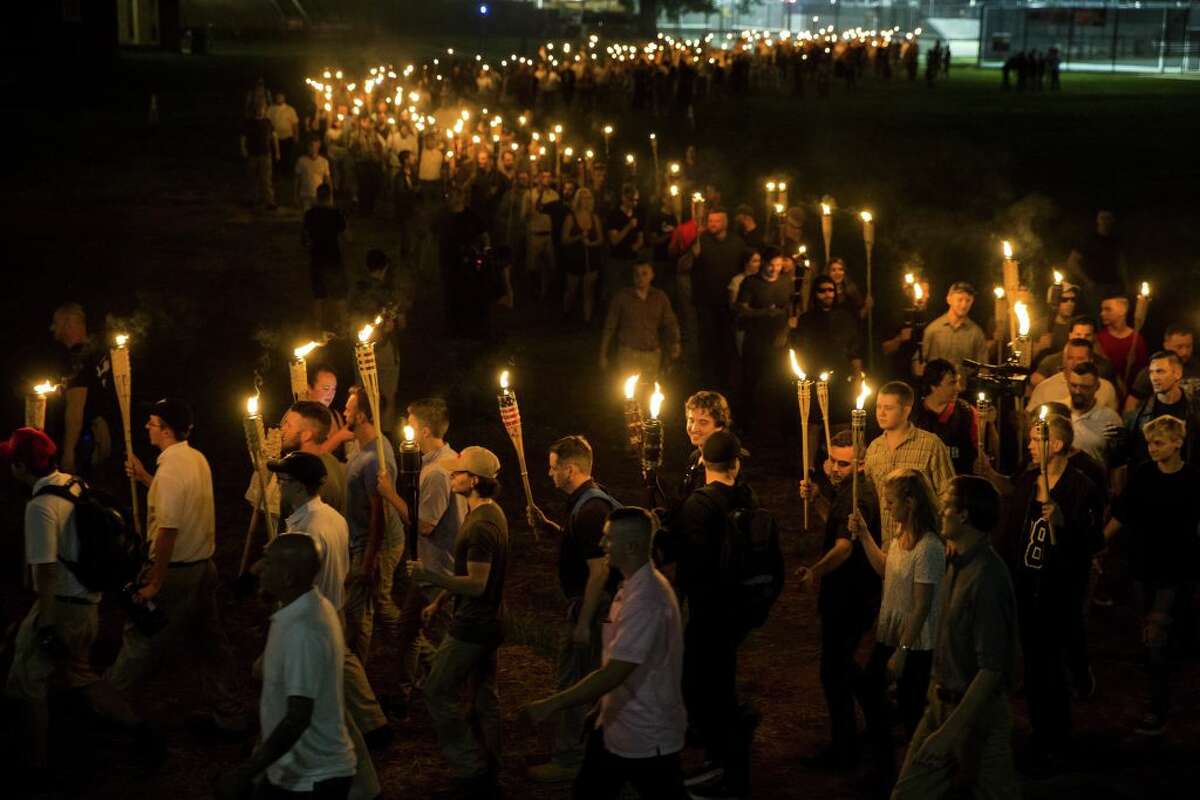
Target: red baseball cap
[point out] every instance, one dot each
(31, 447)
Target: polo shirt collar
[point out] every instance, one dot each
(298, 608)
(303, 512)
(166, 453)
(644, 574)
(436, 455)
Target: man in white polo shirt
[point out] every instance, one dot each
(640, 729)
(53, 646)
(306, 749)
(181, 578)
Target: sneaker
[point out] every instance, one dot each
(703, 773)
(552, 772)
(1151, 725)
(716, 789)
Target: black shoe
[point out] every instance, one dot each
(379, 738)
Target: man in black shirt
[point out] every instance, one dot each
(943, 413)
(764, 311)
(747, 228)
(588, 585)
(324, 233)
(1170, 396)
(1049, 545)
(466, 658)
(827, 338)
(85, 431)
(902, 337)
(625, 239)
(260, 148)
(1161, 508)
(848, 601)
(717, 258)
(713, 632)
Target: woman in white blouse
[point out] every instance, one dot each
(912, 569)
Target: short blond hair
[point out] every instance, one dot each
(1166, 425)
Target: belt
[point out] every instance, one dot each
(185, 564)
(948, 695)
(74, 601)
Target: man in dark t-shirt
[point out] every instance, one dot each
(587, 583)
(85, 431)
(826, 338)
(848, 602)
(467, 655)
(764, 308)
(717, 255)
(323, 234)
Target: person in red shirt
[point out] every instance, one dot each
(1124, 346)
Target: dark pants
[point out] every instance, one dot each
(841, 677)
(714, 333)
(1044, 626)
(911, 689)
(710, 694)
(370, 180)
(1159, 635)
(331, 789)
(604, 775)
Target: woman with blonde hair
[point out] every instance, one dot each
(582, 252)
(912, 568)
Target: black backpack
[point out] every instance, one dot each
(111, 553)
(752, 563)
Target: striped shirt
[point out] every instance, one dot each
(920, 450)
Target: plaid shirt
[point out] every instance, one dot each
(920, 450)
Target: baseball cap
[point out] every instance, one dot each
(722, 446)
(304, 467)
(176, 413)
(29, 446)
(476, 460)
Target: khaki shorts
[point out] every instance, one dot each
(35, 673)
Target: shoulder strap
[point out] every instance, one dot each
(63, 491)
(593, 493)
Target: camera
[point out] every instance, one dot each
(1001, 379)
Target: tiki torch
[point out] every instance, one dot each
(35, 405)
(652, 442)
(1011, 272)
(827, 225)
(368, 372)
(1020, 346)
(608, 132)
(510, 415)
(1000, 315)
(256, 442)
(1140, 310)
(983, 407)
(1043, 433)
(654, 152)
(868, 231)
(804, 399)
(122, 373)
(410, 487)
(633, 413)
(858, 426)
(823, 402)
(298, 369)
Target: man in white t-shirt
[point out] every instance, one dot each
(181, 578)
(286, 123)
(312, 170)
(53, 646)
(306, 746)
(639, 733)
(1055, 389)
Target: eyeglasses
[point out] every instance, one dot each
(1067, 299)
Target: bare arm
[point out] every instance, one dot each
(164, 547)
(836, 556)
(876, 556)
(473, 584)
(589, 690)
(281, 740)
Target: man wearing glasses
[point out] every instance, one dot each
(1081, 327)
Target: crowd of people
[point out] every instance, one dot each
(970, 565)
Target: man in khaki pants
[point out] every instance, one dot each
(963, 744)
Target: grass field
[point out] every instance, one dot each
(128, 218)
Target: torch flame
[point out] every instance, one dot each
(629, 158)
(779, 208)
(866, 216)
(1042, 413)
(697, 197)
(918, 292)
(44, 388)
(656, 401)
(631, 386)
(409, 433)
(504, 379)
(909, 278)
(121, 339)
(303, 350)
(824, 377)
(364, 335)
(674, 190)
(826, 210)
(1008, 251)
(252, 405)
(1058, 278)
(982, 397)
(1145, 292)
(1022, 313)
(999, 292)
(770, 186)
(796, 364)
(861, 400)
